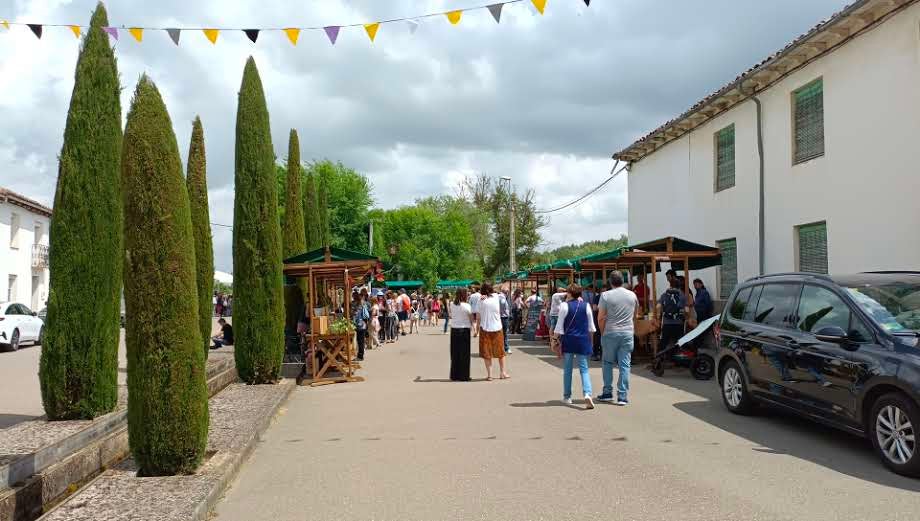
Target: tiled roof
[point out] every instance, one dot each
(7, 195)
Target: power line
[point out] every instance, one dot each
(222, 225)
(613, 174)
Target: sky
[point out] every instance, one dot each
(546, 99)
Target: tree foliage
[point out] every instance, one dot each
(571, 251)
(167, 393)
(293, 234)
(79, 359)
(258, 299)
(311, 213)
(197, 185)
(348, 201)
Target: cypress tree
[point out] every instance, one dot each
(79, 361)
(322, 209)
(311, 214)
(294, 239)
(258, 299)
(197, 185)
(167, 393)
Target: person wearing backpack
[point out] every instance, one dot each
(673, 309)
(361, 315)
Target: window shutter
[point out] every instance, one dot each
(728, 274)
(725, 158)
(813, 248)
(809, 121)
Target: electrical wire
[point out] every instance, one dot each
(222, 225)
(613, 174)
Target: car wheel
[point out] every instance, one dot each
(703, 367)
(893, 429)
(41, 337)
(14, 340)
(735, 393)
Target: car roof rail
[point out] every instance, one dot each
(793, 274)
(892, 272)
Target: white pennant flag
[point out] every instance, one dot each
(413, 26)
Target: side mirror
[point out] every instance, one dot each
(34, 314)
(832, 334)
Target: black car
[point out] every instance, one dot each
(841, 350)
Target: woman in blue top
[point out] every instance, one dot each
(575, 329)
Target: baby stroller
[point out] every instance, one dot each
(695, 350)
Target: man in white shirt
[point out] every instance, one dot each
(555, 301)
(475, 297)
(616, 311)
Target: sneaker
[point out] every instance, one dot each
(622, 403)
(589, 403)
(605, 398)
(567, 401)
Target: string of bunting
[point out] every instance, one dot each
(292, 33)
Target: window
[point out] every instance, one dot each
(725, 158)
(14, 231)
(821, 307)
(777, 305)
(11, 288)
(750, 313)
(812, 246)
(740, 304)
(728, 273)
(808, 121)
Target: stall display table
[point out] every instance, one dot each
(330, 358)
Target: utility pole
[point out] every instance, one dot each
(370, 239)
(511, 246)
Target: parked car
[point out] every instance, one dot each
(840, 350)
(19, 324)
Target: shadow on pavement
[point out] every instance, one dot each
(8, 420)
(420, 380)
(548, 403)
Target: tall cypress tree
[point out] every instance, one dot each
(258, 299)
(79, 361)
(311, 213)
(293, 233)
(167, 393)
(197, 185)
(322, 210)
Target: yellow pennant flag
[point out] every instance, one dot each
(76, 30)
(454, 16)
(137, 33)
(539, 4)
(372, 30)
(211, 34)
(6, 24)
(292, 34)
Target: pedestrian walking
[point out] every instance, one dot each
(616, 311)
(504, 307)
(517, 311)
(445, 310)
(361, 316)
(462, 314)
(375, 323)
(673, 309)
(435, 310)
(491, 341)
(475, 297)
(574, 331)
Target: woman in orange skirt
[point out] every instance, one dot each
(491, 339)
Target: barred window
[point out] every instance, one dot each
(728, 273)
(813, 247)
(725, 158)
(808, 119)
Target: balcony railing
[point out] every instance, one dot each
(39, 256)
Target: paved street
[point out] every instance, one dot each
(407, 445)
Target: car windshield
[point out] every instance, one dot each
(895, 306)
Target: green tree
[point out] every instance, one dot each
(322, 211)
(257, 283)
(349, 200)
(293, 237)
(167, 393)
(311, 213)
(79, 359)
(197, 186)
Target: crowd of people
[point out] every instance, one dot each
(223, 304)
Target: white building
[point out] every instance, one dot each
(24, 225)
(838, 176)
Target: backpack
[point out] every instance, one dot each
(362, 315)
(671, 307)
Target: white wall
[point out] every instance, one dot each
(19, 261)
(864, 186)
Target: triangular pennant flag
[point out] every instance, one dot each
(496, 10)
(76, 30)
(211, 34)
(252, 34)
(454, 16)
(113, 31)
(6, 24)
(36, 29)
(371, 30)
(588, 3)
(174, 35)
(332, 32)
(292, 34)
(539, 4)
(413, 26)
(137, 33)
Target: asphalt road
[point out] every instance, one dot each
(407, 445)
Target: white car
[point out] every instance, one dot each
(19, 324)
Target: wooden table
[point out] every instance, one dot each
(330, 359)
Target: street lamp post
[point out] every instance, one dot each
(511, 246)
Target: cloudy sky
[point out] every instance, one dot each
(544, 99)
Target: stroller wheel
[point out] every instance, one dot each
(703, 367)
(657, 367)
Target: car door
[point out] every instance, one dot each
(773, 338)
(29, 323)
(13, 320)
(828, 374)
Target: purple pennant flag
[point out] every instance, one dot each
(332, 32)
(113, 31)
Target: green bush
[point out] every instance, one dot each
(167, 392)
(197, 185)
(258, 309)
(79, 361)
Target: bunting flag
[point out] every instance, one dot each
(496, 10)
(372, 30)
(36, 30)
(454, 17)
(211, 34)
(588, 3)
(113, 31)
(5, 24)
(539, 4)
(332, 32)
(174, 35)
(413, 26)
(292, 34)
(76, 30)
(252, 34)
(137, 33)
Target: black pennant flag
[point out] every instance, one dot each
(37, 29)
(252, 34)
(588, 3)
